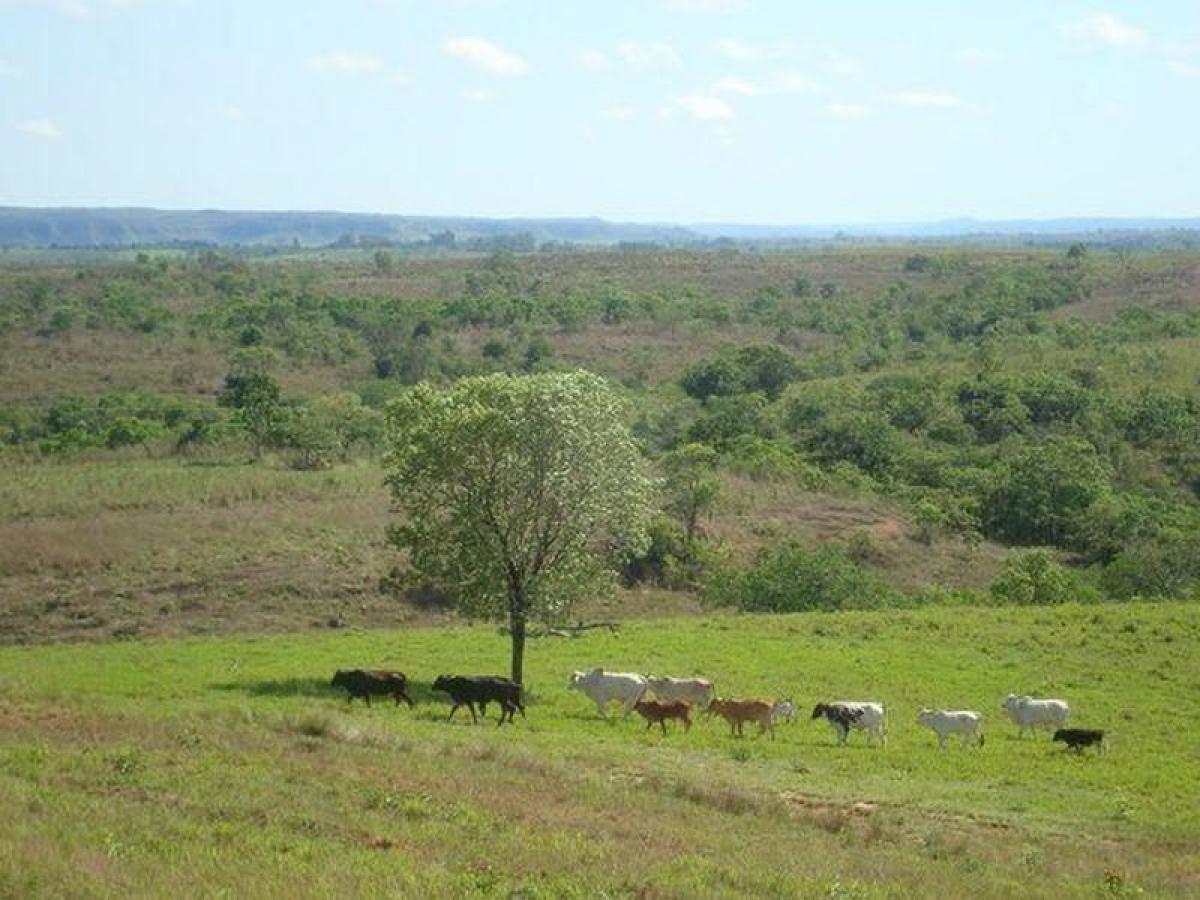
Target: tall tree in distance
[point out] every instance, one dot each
(519, 495)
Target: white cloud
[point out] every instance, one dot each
(841, 66)
(1183, 68)
(928, 98)
(1107, 30)
(618, 113)
(780, 83)
(704, 6)
(848, 110)
(738, 51)
(42, 129)
(83, 10)
(232, 113)
(485, 55)
(793, 83)
(8, 70)
(731, 84)
(476, 95)
(347, 62)
(977, 56)
(593, 61)
(706, 108)
(649, 56)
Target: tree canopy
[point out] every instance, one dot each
(518, 493)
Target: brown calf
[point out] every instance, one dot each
(738, 712)
(661, 710)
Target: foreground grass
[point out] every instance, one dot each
(227, 767)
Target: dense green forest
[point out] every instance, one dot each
(835, 428)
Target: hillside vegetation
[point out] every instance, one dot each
(191, 440)
(230, 766)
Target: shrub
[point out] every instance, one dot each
(1167, 566)
(865, 439)
(790, 578)
(760, 458)
(765, 368)
(1044, 491)
(1033, 578)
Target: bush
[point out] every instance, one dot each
(1168, 566)
(1034, 578)
(865, 439)
(1044, 491)
(760, 458)
(790, 578)
(768, 369)
(672, 560)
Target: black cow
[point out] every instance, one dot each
(467, 690)
(365, 682)
(840, 717)
(1078, 738)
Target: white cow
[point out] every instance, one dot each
(867, 716)
(783, 711)
(1028, 713)
(945, 722)
(696, 691)
(604, 687)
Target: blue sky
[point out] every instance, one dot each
(774, 111)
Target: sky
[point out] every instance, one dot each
(764, 111)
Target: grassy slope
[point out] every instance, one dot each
(96, 548)
(226, 765)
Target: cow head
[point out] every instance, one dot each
(441, 683)
(819, 710)
(340, 678)
(924, 715)
(1060, 735)
(576, 679)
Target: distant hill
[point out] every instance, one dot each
(105, 227)
(946, 228)
(32, 227)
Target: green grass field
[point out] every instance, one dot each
(227, 767)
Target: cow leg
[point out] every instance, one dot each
(663, 723)
(453, 710)
(407, 699)
(367, 697)
(474, 718)
(600, 709)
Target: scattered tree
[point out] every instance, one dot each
(518, 494)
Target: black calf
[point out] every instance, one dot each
(1078, 738)
(365, 682)
(468, 690)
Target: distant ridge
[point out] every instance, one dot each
(137, 226)
(947, 228)
(34, 227)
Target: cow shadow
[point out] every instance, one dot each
(281, 687)
(421, 692)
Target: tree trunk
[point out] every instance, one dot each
(516, 626)
(516, 623)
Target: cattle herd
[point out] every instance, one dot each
(659, 699)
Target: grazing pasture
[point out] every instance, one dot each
(232, 766)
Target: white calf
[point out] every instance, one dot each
(945, 722)
(1028, 713)
(604, 687)
(696, 691)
